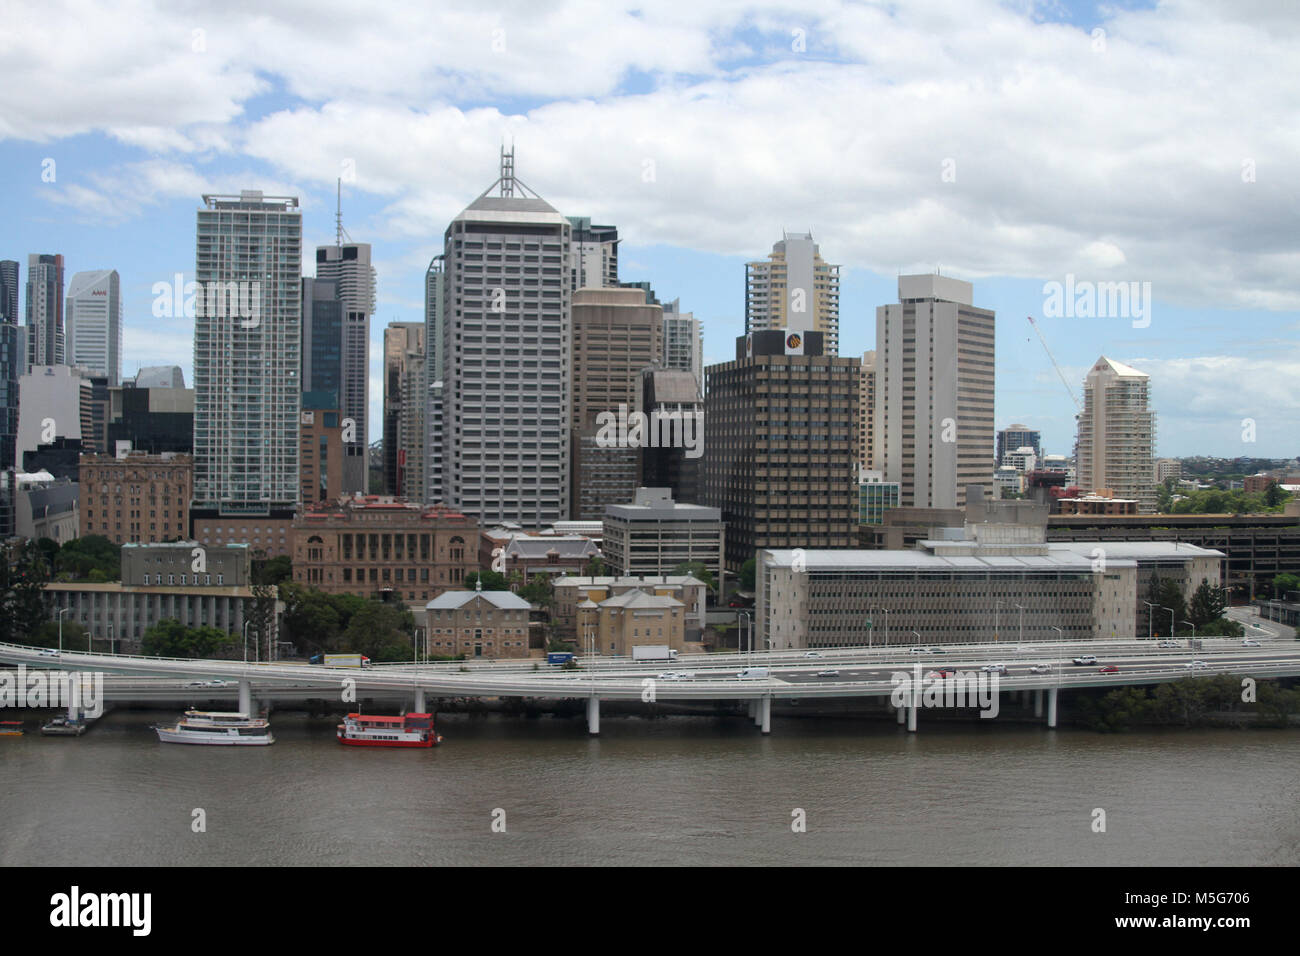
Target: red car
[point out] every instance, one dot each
(1109, 669)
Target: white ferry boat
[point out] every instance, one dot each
(218, 728)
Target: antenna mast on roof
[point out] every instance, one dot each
(508, 170)
(339, 232)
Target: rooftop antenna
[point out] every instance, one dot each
(339, 232)
(510, 187)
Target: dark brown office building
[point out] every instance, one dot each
(780, 445)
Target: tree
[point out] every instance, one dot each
(696, 569)
(1274, 495)
(1167, 595)
(1283, 583)
(24, 606)
(538, 591)
(1207, 605)
(170, 638)
(383, 632)
(274, 571)
(747, 574)
(492, 580)
(82, 556)
(47, 635)
(311, 619)
(595, 567)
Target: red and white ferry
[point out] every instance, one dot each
(411, 730)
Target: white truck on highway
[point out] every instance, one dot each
(653, 652)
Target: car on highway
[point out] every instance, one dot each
(197, 683)
(49, 652)
(921, 650)
(669, 675)
(830, 673)
(1248, 642)
(1167, 644)
(937, 650)
(217, 683)
(1086, 659)
(1195, 664)
(995, 669)
(814, 654)
(1040, 669)
(939, 674)
(1108, 669)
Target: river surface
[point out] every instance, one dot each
(677, 790)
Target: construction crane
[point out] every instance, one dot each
(1064, 381)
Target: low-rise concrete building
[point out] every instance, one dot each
(186, 563)
(654, 535)
(553, 554)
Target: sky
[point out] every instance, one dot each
(1021, 146)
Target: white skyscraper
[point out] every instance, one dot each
(1117, 433)
(683, 342)
(506, 356)
(94, 323)
(247, 353)
(934, 392)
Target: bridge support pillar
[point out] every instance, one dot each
(765, 715)
(1038, 702)
(419, 700)
(902, 716)
(593, 716)
(911, 717)
(1051, 706)
(245, 698)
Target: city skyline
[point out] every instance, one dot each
(1012, 213)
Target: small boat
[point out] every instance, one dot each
(217, 728)
(64, 727)
(411, 730)
(11, 728)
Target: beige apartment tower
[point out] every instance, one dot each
(1117, 433)
(934, 392)
(615, 335)
(867, 414)
(795, 289)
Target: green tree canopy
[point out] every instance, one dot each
(747, 571)
(492, 581)
(697, 569)
(1207, 605)
(170, 638)
(82, 556)
(383, 632)
(24, 606)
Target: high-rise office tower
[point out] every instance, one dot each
(795, 289)
(673, 396)
(9, 291)
(867, 414)
(13, 360)
(506, 348)
(934, 391)
(781, 451)
(683, 342)
(1018, 436)
(322, 341)
(433, 387)
(403, 342)
(44, 310)
(94, 323)
(411, 431)
(347, 265)
(593, 254)
(247, 355)
(1117, 433)
(615, 335)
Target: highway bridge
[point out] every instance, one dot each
(1041, 669)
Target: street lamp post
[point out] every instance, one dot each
(749, 624)
(871, 627)
(918, 638)
(1022, 624)
(246, 623)
(112, 647)
(1150, 617)
(1193, 629)
(61, 613)
(1172, 626)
